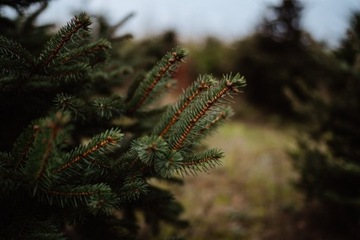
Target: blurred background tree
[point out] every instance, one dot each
(277, 58)
(329, 153)
(287, 55)
(23, 27)
(315, 89)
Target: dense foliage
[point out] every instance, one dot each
(80, 160)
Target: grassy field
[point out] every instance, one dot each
(247, 196)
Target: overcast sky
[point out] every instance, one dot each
(326, 20)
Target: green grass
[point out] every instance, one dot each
(247, 196)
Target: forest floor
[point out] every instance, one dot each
(249, 195)
(253, 194)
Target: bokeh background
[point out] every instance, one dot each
(194, 20)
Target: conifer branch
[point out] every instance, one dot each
(161, 72)
(229, 85)
(96, 196)
(49, 144)
(10, 49)
(108, 107)
(65, 34)
(218, 118)
(168, 165)
(23, 145)
(5, 159)
(45, 135)
(98, 176)
(65, 102)
(98, 144)
(150, 148)
(10, 180)
(72, 194)
(65, 74)
(88, 50)
(132, 188)
(15, 63)
(85, 154)
(202, 161)
(198, 87)
(41, 229)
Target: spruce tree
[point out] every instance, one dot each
(328, 153)
(285, 53)
(79, 160)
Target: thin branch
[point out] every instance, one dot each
(203, 86)
(164, 69)
(64, 39)
(77, 194)
(49, 147)
(228, 87)
(108, 140)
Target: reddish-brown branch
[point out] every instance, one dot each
(25, 151)
(193, 163)
(219, 117)
(157, 78)
(58, 193)
(45, 158)
(105, 142)
(64, 39)
(193, 121)
(85, 53)
(176, 116)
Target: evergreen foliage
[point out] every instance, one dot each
(23, 28)
(283, 23)
(78, 161)
(329, 153)
(287, 57)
